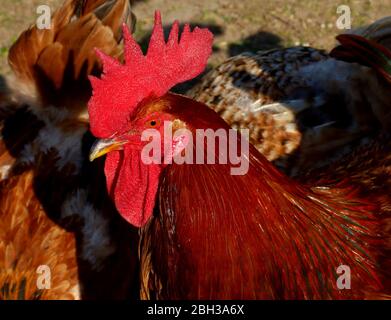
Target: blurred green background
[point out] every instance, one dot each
(238, 25)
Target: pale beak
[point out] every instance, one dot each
(103, 146)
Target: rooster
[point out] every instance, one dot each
(304, 109)
(208, 234)
(60, 235)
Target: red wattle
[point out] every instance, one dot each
(132, 184)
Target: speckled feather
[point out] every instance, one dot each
(245, 89)
(303, 108)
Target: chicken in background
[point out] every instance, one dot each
(208, 234)
(53, 214)
(303, 108)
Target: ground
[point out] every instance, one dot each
(238, 25)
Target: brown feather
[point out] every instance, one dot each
(71, 42)
(52, 196)
(29, 239)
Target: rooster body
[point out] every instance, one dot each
(286, 245)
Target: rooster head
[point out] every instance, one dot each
(133, 97)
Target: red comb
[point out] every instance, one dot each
(122, 87)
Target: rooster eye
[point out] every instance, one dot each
(152, 123)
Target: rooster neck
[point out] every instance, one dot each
(258, 236)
